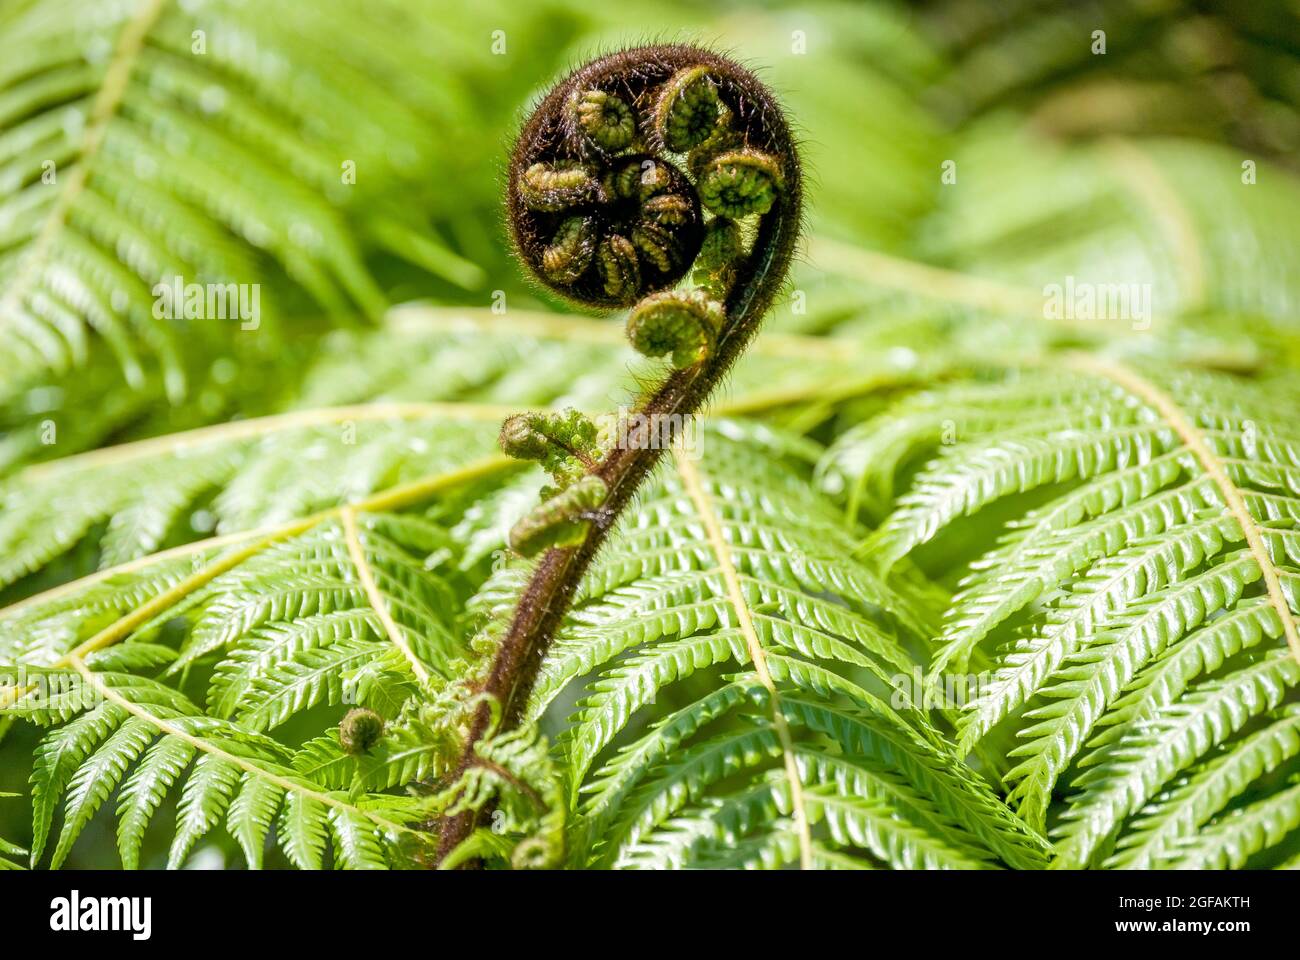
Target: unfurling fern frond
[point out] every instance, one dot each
(1140, 615)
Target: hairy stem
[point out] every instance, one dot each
(553, 583)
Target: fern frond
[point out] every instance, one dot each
(1110, 586)
(234, 770)
(964, 481)
(815, 633)
(1123, 776)
(1090, 679)
(231, 478)
(346, 607)
(111, 189)
(1168, 830)
(1229, 843)
(1144, 562)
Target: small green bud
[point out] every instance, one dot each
(687, 110)
(560, 521)
(522, 439)
(360, 730)
(683, 324)
(554, 439)
(605, 119)
(736, 183)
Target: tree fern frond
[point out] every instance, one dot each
(260, 475)
(1163, 833)
(817, 634)
(1252, 622)
(1133, 596)
(1108, 589)
(1089, 680)
(286, 626)
(291, 627)
(111, 190)
(1128, 773)
(1230, 842)
(57, 759)
(252, 815)
(98, 776)
(237, 775)
(967, 480)
(304, 831)
(882, 813)
(865, 459)
(261, 650)
(958, 791)
(1049, 548)
(312, 677)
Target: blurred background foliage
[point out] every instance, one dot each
(416, 98)
(229, 167)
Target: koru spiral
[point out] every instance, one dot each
(664, 179)
(643, 167)
(635, 171)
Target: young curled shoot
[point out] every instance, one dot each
(562, 520)
(563, 443)
(641, 169)
(687, 110)
(736, 183)
(359, 730)
(682, 325)
(619, 171)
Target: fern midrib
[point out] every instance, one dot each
(352, 537)
(422, 318)
(1210, 462)
(392, 498)
(1145, 181)
(102, 111)
(254, 427)
(111, 695)
(704, 506)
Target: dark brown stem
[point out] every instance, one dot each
(550, 590)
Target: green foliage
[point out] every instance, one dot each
(749, 663)
(289, 630)
(1133, 629)
(916, 480)
(112, 137)
(8, 850)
